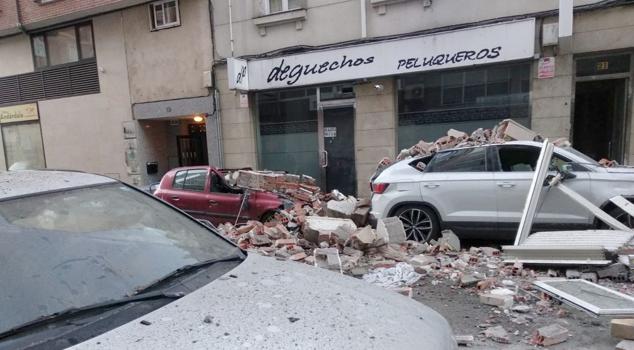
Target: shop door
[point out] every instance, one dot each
(338, 156)
(599, 119)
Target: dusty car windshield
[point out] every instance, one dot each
(83, 246)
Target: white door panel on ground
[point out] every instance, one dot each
(462, 196)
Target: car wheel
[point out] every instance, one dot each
(621, 216)
(420, 223)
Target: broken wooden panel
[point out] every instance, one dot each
(588, 296)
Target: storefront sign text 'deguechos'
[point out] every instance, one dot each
(21, 113)
(290, 76)
(501, 42)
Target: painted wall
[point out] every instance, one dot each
(169, 63)
(332, 21)
(15, 55)
(85, 132)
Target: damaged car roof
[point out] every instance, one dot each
(27, 182)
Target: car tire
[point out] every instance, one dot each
(420, 222)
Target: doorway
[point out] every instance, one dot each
(338, 159)
(192, 148)
(599, 128)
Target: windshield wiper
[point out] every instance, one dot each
(75, 311)
(141, 294)
(186, 269)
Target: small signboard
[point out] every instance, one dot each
(330, 131)
(546, 68)
(19, 113)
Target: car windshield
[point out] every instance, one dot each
(84, 246)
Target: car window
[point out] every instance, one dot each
(179, 179)
(195, 180)
(524, 158)
(518, 158)
(215, 183)
(78, 247)
(459, 160)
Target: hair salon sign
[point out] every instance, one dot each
(500, 42)
(19, 113)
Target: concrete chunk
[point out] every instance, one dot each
(360, 216)
(501, 301)
(450, 240)
(341, 208)
(343, 228)
(392, 228)
(616, 271)
(551, 335)
(625, 345)
(327, 258)
(464, 340)
(622, 328)
(488, 251)
(498, 334)
(422, 260)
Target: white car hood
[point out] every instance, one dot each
(268, 304)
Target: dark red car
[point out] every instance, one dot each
(202, 192)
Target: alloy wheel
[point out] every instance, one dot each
(418, 225)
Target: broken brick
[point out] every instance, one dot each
(622, 328)
(550, 335)
(498, 334)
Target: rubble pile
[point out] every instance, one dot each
(297, 187)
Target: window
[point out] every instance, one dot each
(195, 180)
(164, 14)
(525, 159)
(274, 6)
(469, 98)
(63, 45)
(459, 160)
(179, 179)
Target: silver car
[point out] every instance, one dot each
(91, 263)
(479, 192)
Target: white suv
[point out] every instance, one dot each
(479, 192)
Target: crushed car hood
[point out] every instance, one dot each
(268, 304)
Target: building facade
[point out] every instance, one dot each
(117, 87)
(329, 88)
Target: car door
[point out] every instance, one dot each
(513, 177)
(189, 192)
(223, 205)
(460, 186)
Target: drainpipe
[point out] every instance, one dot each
(19, 12)
(364, 25)
(230, 28)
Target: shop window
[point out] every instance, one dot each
(63, 45)
(274, 6)
(164, 14)
(23, 146)
(466, 99)
(287, 125)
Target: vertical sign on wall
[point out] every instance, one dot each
(238, 73)
(565, 18)
(546, 68)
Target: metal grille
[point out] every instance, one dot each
(79, 78)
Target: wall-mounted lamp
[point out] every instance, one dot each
(379, 87)
(198, 118)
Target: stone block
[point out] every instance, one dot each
(341, 209)
(497, 334)
(360, 216)
(501, 301)
(625, 345)
(343, 228)
(392, 228)
(622, 328)
(551, 335)
(423, 260)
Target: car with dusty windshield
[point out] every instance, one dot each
(88, 262)
(479, 192)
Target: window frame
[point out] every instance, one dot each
(152, 13)
(285, 7)
(80, 54)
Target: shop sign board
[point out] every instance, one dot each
(493, 43)
(19, 113)
(238, 74)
